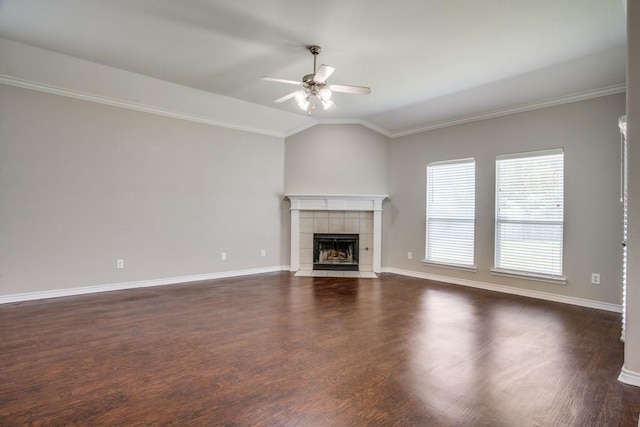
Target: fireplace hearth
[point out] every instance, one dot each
(335, 252)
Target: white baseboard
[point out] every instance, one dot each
(508, 290)
(629, 377)
(30, 296)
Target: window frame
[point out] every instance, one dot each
(524, 273)
(443, 263)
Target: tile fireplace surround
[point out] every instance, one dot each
(336, 213)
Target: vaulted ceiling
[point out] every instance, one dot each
(427, 62)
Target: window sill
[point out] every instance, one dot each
(471, 268)
(560, 280)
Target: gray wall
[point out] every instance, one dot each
(83, 184)
(337, 159)
(587, 131)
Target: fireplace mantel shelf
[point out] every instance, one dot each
(336, 202)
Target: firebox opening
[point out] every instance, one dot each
(335, 252)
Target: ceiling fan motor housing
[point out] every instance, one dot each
(310, 86)
(315, 50)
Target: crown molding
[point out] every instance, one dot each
(361, 122)
(299, 129)
(99, 99)
(582, 96)
(76, 94)
(71, 93)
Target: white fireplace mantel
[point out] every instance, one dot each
(336, 202)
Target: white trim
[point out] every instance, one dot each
(452, 162)
(582, 96)
(364, 123)
(301, 128)
(41, 87)
(295, 240)
(616, 308)
(71, 93)
(522, 155)
(375, 128)
(629, 377)
(336, 202)
(377, 239)
(30, 296)
(463, 267)
(626, 376)
(333, 273)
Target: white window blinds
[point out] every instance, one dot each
(530, 213)
(450, 214)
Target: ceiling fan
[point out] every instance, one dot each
(315, 86)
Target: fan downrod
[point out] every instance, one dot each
(315, 50)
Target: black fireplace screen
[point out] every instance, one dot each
(335, 252)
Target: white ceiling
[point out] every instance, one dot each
(426, 61)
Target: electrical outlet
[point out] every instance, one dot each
(409, 255)
(595, 278)
(263, 252)
(120, 263)
(223, 256)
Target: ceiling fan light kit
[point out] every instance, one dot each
(315, 86)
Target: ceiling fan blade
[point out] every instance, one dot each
(286, 97)
(358, 90)
(323, 73)
(291, 82)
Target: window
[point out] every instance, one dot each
(530, 214)
(450, 213)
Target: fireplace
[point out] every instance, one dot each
(359, 214)
(335, 252)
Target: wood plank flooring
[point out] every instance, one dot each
(278, 350)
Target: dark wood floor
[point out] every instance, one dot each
(277, 350)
